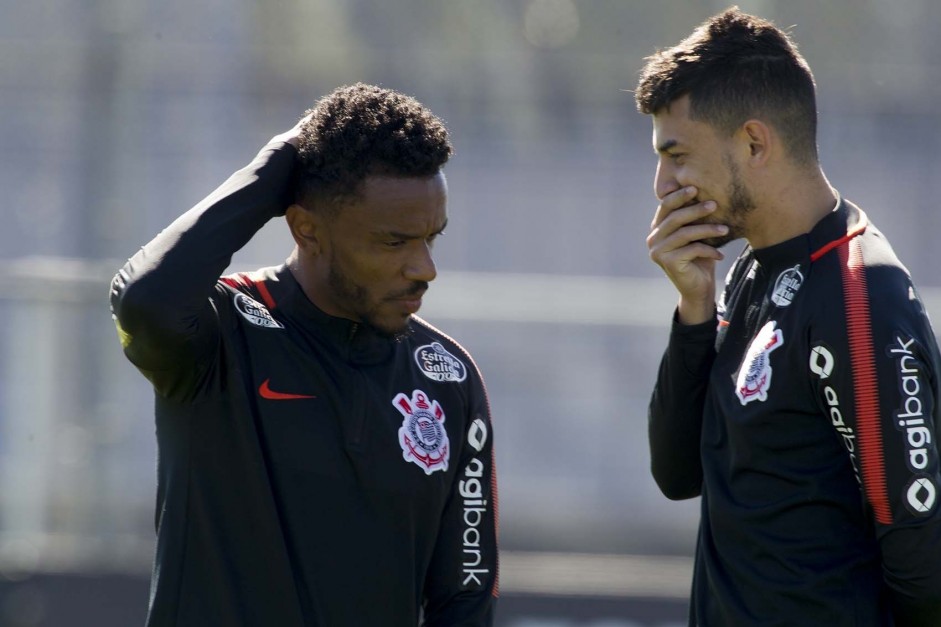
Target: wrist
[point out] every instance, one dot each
(694, 311)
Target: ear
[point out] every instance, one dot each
(307, 228)
(760, 140)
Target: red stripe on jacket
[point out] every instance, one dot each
(863, 368)
(243, 279)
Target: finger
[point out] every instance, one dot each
(688, 221)
(691, 214)
(692, 252)
(684, 247)
(686, 234)
(304, 120)
(291, 136)
(673, 201)
(677, 263)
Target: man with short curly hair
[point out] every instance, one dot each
(325, 456)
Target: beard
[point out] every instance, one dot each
(355, 299)
(740, 204)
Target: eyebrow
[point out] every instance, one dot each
(397, 235)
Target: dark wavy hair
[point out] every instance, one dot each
(361, 130)
(735, 67)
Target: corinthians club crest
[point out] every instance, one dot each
(422, 436)
(754, 376)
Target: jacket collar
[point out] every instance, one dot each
(845, 222)
(354, 342)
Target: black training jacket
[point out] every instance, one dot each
(310, 472)
(808, 422)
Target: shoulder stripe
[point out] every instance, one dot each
(243, 280)
(823, 250)
(231, 282)
(865, 386)
(266, 295)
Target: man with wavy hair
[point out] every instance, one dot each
(325, 456)
(803, 407)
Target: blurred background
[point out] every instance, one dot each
(121, 114)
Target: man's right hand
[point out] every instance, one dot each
(292, 136)
(675, 246)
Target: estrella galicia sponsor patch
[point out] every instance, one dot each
(786, 286)
(438, 364)
(754, 376)
(422, 436)
(255, 312)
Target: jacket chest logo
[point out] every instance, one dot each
(438, 364)
(422, 436)
(754, 375)
(786, 286)
(255, 312)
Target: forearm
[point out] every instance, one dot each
(895, 425)
(913, 574)
(161, 292)
(909, 612)
(676, 409)
(461, 584)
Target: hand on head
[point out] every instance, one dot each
(292, 136)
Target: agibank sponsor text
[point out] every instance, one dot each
(475, 509)
(910, 415)
(921, 493)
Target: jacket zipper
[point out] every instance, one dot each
(357, 398)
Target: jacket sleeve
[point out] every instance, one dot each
(674, 425)
(883, 355)
(160, 299)
(461, 587)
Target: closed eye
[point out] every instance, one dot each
(392, 239)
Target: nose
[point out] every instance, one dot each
(421, 265)
(664, 180)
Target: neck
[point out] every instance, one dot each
(791, 207)
(305, 278)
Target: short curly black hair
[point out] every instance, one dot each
(362, 130)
